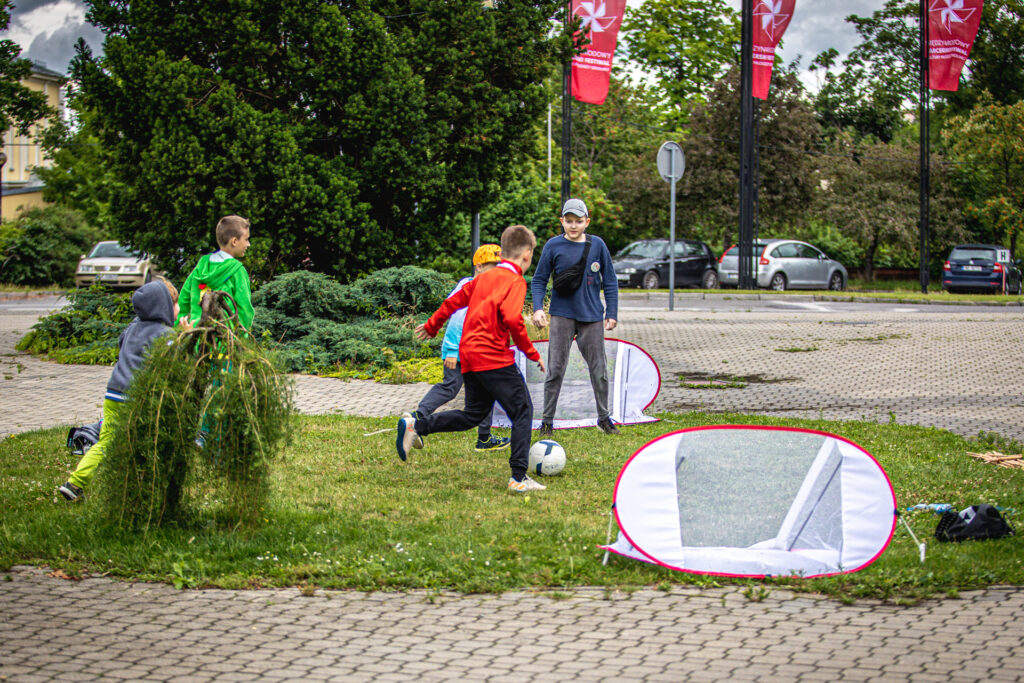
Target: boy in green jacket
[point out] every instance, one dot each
(221, 271)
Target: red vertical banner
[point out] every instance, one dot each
(771, 17)
(592, 70)
(952, 27)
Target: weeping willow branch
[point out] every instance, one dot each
(212, 380)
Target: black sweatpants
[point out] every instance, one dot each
(504, 385)
(439, 394)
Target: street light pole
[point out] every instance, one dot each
(3, 162)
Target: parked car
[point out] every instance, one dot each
(786, 264)
(985, 267)
(645, 264)
(110, 264)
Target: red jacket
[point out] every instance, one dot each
(495, 301)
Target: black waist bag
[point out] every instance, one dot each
(569, 280)
(976, 522)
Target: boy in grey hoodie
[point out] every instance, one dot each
(155, 309)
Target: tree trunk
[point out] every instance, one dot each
(869, 260)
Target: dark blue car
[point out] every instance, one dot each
(984, 267)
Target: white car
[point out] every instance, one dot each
(785, 264)
(110, 264)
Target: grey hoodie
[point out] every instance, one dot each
(154, 312)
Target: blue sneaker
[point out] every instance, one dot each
(493, 443)
(407, 437)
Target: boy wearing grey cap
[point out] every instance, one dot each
(580, 267)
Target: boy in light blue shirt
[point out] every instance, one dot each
(485, 258)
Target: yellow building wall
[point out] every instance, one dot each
(24, 153)
(14, 204)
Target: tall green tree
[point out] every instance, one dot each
(81, 176)
(19, 106)
(869, 191)
(687, 44)
(881, 75)
(788, 132)
(989, 144)
(346, 131)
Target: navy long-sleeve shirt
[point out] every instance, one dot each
(585, 304)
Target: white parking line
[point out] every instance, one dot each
(807, 306)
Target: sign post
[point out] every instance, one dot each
(671, 164)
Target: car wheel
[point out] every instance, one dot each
(835, 283)
(651, 280)
(778, 282)
(709, 280)
(1016, 292)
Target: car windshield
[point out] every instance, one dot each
(642, 250)
(964, 254)
(112, 250)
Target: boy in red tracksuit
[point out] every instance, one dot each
(495, 310)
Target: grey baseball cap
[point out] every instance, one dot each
(577, 207)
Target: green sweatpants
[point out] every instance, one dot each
(112, 412)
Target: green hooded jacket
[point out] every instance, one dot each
(217, 271)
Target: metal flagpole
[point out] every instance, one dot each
(567, 116)
(746, 223)
(925, 149)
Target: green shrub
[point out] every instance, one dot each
(398, 292)
(43, 246)
(153, 473)
(86, 331)
(290, 303)
(367, 344)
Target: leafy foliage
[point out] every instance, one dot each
(319, 325)
(85, 331)
(19, 106)
(341, 130)
(989, 143)
(395, 292)
(44, 245)
(870, 192)
(687, 44)
(788, 132)
(153, 474)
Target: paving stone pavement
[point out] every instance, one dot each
(960, 371)
(96, 629)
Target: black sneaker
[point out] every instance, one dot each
(546, 429)
(493, 443)
(70, 491)
(607, 426)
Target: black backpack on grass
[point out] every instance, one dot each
(976, 522)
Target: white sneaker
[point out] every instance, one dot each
(524, 486)
(407, 437)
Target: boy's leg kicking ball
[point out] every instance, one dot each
(407, 438)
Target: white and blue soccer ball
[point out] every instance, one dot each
(547, 457)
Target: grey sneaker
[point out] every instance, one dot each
(70, 491)
(407, 437)
(607, 426)
(545, 429)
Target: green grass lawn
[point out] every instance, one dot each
(346, 513)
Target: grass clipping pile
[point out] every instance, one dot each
(154, 474)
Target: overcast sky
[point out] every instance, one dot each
(47, 30)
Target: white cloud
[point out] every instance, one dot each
(47, 31)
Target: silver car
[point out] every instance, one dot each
(114, 265)
(785, 264)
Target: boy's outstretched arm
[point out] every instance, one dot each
(454, 302)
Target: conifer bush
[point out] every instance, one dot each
(154, 473)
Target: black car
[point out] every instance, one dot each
(645, 264)
(984, 267)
